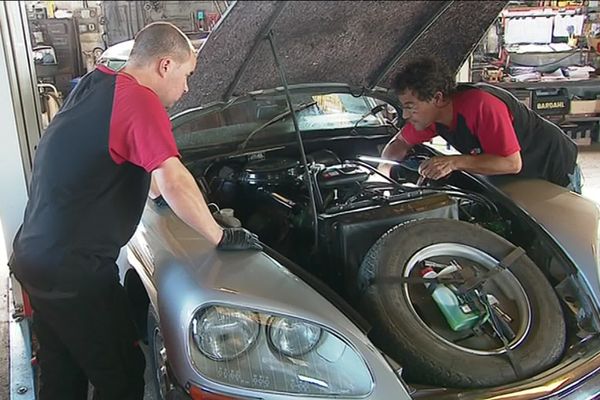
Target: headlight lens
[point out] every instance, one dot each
(292, 337)
(259, 351)
(223, 333)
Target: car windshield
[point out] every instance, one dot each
(267, 117)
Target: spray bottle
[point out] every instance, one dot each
(448, 303)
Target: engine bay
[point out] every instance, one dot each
(354, 202)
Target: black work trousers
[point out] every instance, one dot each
(88, 335)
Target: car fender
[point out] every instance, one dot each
(568, 218)
(188, 273)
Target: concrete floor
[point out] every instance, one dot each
(589, 160)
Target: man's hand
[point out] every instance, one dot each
(238, 239)
(437, 167)
(486, 164)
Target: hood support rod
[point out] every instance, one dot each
(307, 173)
(387, 66)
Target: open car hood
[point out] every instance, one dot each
(362, 44)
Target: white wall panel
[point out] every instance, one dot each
(13, 193)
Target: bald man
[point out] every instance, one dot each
(90, 181)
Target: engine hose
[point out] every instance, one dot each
(450, 190)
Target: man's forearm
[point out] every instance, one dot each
(187, 202)
(487, 164)
(178, 188)
(154, 191)
(395, 150)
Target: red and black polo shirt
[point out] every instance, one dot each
(490, 120)
(91, 177)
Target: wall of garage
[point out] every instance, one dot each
(12, 177)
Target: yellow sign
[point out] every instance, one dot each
(50, 8)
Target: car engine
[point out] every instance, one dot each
(355, 203)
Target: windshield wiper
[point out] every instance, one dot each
(276, 118)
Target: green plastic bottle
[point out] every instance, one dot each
(448, 304)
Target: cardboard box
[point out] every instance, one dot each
(585, 106)
(594, 43)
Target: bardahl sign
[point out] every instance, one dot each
(556, 103)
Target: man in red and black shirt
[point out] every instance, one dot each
(90, 182)
(496, 134)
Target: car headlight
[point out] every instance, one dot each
(223, 334)
(255, 350)
(292, 337)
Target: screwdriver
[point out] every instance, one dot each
(422, 178)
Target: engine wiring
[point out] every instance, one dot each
(423, 190)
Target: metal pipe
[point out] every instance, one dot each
(307, 173)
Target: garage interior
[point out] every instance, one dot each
(47, 46)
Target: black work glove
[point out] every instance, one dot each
(238, 239)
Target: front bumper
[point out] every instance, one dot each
(576, 377)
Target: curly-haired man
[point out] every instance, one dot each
(494, 132)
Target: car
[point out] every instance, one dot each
(368, 286)
(117, 55)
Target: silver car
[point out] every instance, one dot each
(368, 287)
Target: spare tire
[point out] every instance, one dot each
(409, 326)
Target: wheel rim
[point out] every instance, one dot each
(160, 361)
(504, 285)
